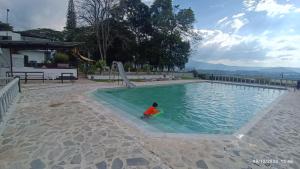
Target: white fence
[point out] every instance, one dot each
(50, 74)
(7, 96)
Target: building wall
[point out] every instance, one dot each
(4, 58)
(15, 36)
(33, 55)
(3, 72)
(18, 60)
(4, 62)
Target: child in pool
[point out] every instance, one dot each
(151, 111)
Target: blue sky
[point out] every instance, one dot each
(247, 32)
(235, 32)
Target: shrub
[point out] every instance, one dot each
(61, 58)
(91, 69)
(100, 64)
(128, 66)
(87, 69)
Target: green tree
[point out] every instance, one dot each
(87, 35)
(170, 26)
(71, 16)
(98, 14)
(134, 16)
(100, 64)
(131, 32)
(71, 24)
(185, 19)
(5, 27)
(123, 46)
(162, 16)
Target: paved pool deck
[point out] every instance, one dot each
(58, 126)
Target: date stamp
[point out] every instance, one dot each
(272, 161)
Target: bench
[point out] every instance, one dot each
(28, 75)
(69, 77)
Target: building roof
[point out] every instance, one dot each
(38, 45)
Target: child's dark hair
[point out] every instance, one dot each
(154, 104)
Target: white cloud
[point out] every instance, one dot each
(250, 4)
(260, 50)
(235, 23)
(217, 44)
(222, 20)
(283, 49)
(31, 14)
(238, 15)
(271, 7)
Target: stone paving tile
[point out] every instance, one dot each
(56, 127)
(51, 128)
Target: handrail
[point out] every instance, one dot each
(28, 74)
(6, 78)
(7, 95)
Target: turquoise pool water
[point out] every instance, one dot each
(207, 108)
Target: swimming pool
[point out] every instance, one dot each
(206, 108)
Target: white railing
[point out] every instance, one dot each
(282, 83)
(7, 96)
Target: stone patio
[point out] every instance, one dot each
(59, 127)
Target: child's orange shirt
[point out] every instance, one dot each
(151, 111)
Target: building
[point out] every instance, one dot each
(25, 58)
(26, 53)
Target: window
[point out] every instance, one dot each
(26, 61)
(5, 38)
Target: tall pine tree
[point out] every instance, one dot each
(71, 16)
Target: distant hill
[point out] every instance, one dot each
(207, 66)
(44, 33)
(275, 73)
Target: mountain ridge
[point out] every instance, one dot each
(222, 67)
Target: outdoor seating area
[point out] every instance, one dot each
(45, 75)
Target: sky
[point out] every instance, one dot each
(261, 33)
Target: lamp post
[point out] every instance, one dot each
(7, 11)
